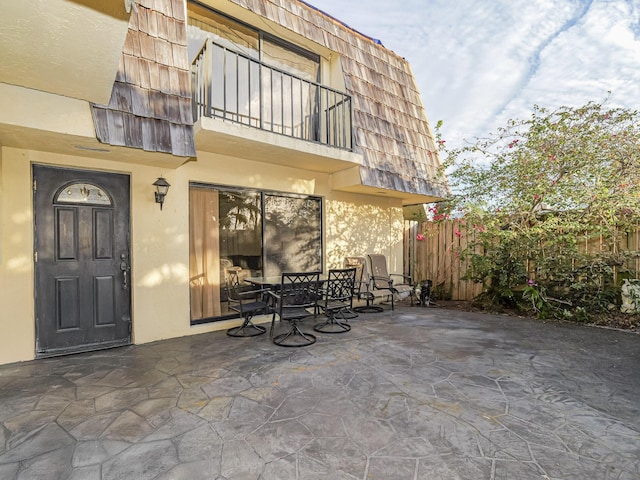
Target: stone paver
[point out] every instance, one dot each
(414, 394)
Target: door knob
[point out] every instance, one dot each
(124, 267)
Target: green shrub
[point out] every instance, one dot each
(535, 195)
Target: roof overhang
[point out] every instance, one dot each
(241, 141)
(34, 120)
(350, 180)
(66, 47)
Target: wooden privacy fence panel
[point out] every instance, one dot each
(438, 246)
(633, 245)
(438, 258)
(629, 242)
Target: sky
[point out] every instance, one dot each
(479, 63)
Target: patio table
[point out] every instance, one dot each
(273, 281)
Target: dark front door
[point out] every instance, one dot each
(82, 274)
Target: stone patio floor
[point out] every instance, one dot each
(420, 393)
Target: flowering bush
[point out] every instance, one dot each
(538, 190)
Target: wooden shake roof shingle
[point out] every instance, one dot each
(150, 105)
(390, 124)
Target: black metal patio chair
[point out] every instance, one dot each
(337, 301)
(296, 299)
(247, 303)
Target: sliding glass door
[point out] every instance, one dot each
(293, 234)
(253, 232)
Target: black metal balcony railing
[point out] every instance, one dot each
(238, 88)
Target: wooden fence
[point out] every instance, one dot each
(432, 251)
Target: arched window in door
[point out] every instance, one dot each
(83, 193)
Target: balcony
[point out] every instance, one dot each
(234, 87)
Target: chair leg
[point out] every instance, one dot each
(247, 329)
(332, 324)
(368, 308)
(273, 321)
(349, 313)
(294, 332)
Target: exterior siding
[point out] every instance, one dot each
(150, 105)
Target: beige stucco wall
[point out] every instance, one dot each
(49, 129)
(354, 224)
(361, 224)
(17, 326)
(68, 47)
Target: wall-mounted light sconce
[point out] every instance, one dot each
(162, 187)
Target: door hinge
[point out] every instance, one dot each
(127, 319)
(35, 185)
(35, 257)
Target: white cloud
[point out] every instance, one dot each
(478, 63)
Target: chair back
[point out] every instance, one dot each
(361, 275)
(379, 271)
(299, 289)
(234, 288)
(340, 284)
(232, 285)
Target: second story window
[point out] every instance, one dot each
(206, 23)
(290, 59)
